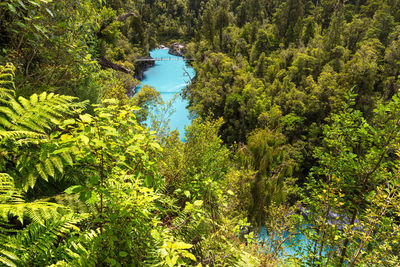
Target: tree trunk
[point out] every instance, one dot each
(346, 241)
(124, 16)
(105, 63)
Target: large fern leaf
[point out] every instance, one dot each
(45, 161)
(47, 220)
(12, 204)
(7, 86)
(38, 114)
(78, 249)
(19, 135)
(35, 245)
(26, 125)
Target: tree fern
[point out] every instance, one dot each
(44, 161)
(35, 245)
(48, 220)
(78, 250)
(12, 204)
(38, 114)
(7, 86)
(26, 127)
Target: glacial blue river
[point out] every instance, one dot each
(169, 78)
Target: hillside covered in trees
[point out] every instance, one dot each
(294, 143)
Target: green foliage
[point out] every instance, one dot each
(288, 18)
(117, 157)
(282, 227)
(7, 88)
(28, 122)
(197, 166)
(359, 185)
(201, 178)
(272, 79)
(48, 223)
(266, 154)
(35, 244)
(43, 110)
(173, 253)
(56, 46)
(147, 99)
(287, 66)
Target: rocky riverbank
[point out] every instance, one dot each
(177, 50)
(141, 67)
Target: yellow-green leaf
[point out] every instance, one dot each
(86, 118)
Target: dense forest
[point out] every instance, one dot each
(295, 133)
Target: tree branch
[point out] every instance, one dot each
(105, 63)
(125, 16)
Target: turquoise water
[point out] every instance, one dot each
(293, 247)
(169, 78)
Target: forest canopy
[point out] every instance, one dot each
(292, 157)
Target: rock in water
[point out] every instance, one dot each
(177, 50)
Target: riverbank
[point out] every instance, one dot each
(141, 67)
(177, 50)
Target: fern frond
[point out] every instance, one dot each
(30, 121)
(36, 243)
(29, 117)
(12, 204)
(6, 182)
(73, 202)
(7, 86)
(48, 164)
(41, 172)
(49, 161)
(58, 164)
(39, 113)
(7, 250)
(78, 250)
(67, 157)
(4, 122)
(36, 211)
(18, 135)
(8, 192)
(49, 222)
(7, 257)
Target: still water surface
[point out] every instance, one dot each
(169, 78)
